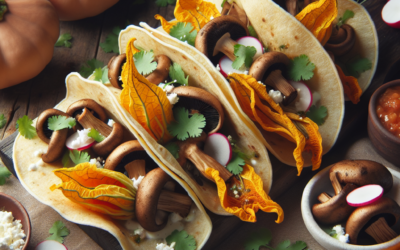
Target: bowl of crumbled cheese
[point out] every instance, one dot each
(15, 225)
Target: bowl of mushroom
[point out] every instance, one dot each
(335, 224)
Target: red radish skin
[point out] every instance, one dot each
(364, 195)
(391, 13)
(218, 147)
(50, 245)
(82, 147)
(304, 98)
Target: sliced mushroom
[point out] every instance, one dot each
(269, 68)
(342, 40)
(114, 135)
(55, 139)
(151, 197)
(159, 75)
(235, 11)
(376, 219)
(219, 35)
(77, 107)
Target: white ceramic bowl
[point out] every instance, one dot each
(321, 183)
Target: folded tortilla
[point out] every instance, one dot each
(38, 183)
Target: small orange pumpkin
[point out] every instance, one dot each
(28, 30)
(69, 10)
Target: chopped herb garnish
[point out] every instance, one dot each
(64, 40)
(184, 32)
(58, 231)
(4, 175)
(90, 67)
(60, 122)
(282, 47)
(186, 126)
(356, 66)
(144, 62)
(183, 241)
(101, 75)
(176, 73)
(347, 14)
(244, 56)
(252, 31)
(111, 43)
(263, 238)
(173, 148)
(25, 127)
(93, 133)
(163, 3)
(317, 115)
(3, 121)
(300, 68)
(235, 165)
(78, 157)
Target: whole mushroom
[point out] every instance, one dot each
(235, 11)
(342, 40)
(77, 107)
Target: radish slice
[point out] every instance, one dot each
(391, 13)
(83, 144)
(218, 147)
(225, 65)
(364, 195)
(50, 245)
(304, 98)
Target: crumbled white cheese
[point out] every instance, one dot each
(82, 139)
(211, 18)
(175, 217)
(40, 163)
(110, 122)
(218, 67)
(316, 97)
(276, 95)
(96, 162)
(11, 233)
(167, 88)
(39, 152)
(340, 234)
(137, 181)
(33, 167)
(141, 232)
(344, 238)
(163, 246)
(339, 229)
(119, 78)
(173, 98)
(246, 72)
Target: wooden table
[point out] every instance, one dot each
(48, 88)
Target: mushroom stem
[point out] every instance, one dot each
(174, 203)
(87, 120)
(136, 168)
(56, 146)
(292, 7)
(380, 231)
(226, 45)
(335, 182)
(277, 81)
(324, 197)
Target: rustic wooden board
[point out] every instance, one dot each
(48, 88)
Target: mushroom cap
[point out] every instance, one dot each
(115, 69)
(362, 172)
(97, 110)
(266, 63)
(118, 154)
(342, 47)
(193, 98)
(147, 197)
(335, 209)
(209, 35)
(363, 217)
(42, 124)
(106, 146)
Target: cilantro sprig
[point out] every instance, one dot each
(244, 56)
(173, 148)
(64, 40)
(317, 114)
(263, 238)
(60, 122)
(90, 66)
(58, 232)
(346, 15)
(176, 73)
(101, 75)
(300, 68)
(3, 121)
(4, 174)
(25, 127)
(93, 133)
(235, 164)
(144, 62)
(252, 31)
(185, 126)
(184, 32)
(78, 157)
(111, 43)
(356, 66)
(183, 240)
(163, 3)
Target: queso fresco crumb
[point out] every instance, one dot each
(11, 232)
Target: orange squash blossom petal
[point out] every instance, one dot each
(350, 86)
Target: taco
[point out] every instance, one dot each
(100, 197)
(286, 131)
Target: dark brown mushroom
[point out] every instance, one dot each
(77, 107)
(235, 11)
(292, 6)
(114, 135)
(55, 139)
(219, 35)
(375, 219)
(269, 68)
(151, 196)
(342, 40)
(159, 75)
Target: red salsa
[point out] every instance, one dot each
(388, 110)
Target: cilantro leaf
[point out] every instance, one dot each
(3, 121)
(25, 127)
(184, 32)
(183, 240)
(317, 115)
(173, 148)
(4, 175)
(78, 157)
(111, 43)
(58, 231)
(258, 239)
(176, 73)
(356, 66)
(185, 126)
(285, 245)
(144, 62)
(65, 159)
(91, 65)
(163, 3)
(64, 40)
(101, 75)
(347, 14)
(60, 122)
(93, 133)
(244, 56)
(235, 165)
(252, 31)
(223, 2)
(300, 68)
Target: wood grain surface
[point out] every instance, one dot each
(48, 88)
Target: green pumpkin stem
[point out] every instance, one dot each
(3, 9)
